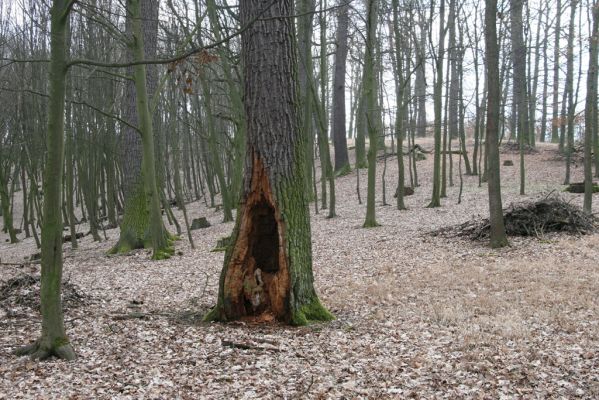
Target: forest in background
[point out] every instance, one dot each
(121, 120)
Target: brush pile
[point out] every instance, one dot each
(514, 147)
(530, 218)
(22, 293)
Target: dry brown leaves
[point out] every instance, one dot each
(417, 316)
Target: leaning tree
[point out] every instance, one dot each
(267, 271)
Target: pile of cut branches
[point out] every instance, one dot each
(514, 147)
(530, 218)
(23, 292)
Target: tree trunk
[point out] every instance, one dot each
(306, 10)
(6, 212)
(438, 106)
(338, 120)
(54, 340)
(420, 83)
(519, 81)
(591, 111)
(372, 112)
(396, 56)
(267, 272)
(555, 122)
(142, 224)
(545, 56)
(570, 91)
(498, 236)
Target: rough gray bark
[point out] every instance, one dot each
(555, 122)
(338, 119)
(519, 82)
(591, 111)
(498, 236)
(306, 10)
(134, 229)
(53, 340)
(372, 108)
(569, 92)
(438, 105)
(267, 272)
(420, 82)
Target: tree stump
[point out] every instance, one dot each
(407, 191)
(199, 223)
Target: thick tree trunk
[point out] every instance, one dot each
(54, 340)
(372, 111)
(142, 224)
(338, 120)
(498, 236)
(267, 272)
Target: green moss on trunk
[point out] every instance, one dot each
(142, 224)
(267, 272)
(53, 340)
(311, 312)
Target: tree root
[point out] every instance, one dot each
(127, 244)
(36, 351)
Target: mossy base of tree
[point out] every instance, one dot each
(165, 253)
(136, 229)
(346, 170)
(371, 224)
(128, 243)
(61, 349)
(213, 316)
(312, 312)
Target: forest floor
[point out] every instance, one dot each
(417, 316)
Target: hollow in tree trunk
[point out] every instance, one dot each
(267, 273)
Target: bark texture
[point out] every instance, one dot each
(267, 272)
(372, 110)
(498, 236)
(519, 81)
(135, 229)
(591, 111)
(339, 134)
(53, 341)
